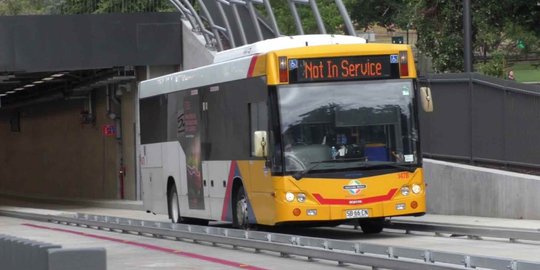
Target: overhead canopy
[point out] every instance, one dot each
(68, 53)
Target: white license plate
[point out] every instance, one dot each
(357, 213)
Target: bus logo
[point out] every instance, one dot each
(354, 187)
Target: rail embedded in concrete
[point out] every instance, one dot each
(343, 252)
(23, 254)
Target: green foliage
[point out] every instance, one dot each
(109, 6)
(439, 25)
(495, 66)
(331, 17)
(78, 7)
(386, 13)
(497, 27)
(38, 7)
(25, 7)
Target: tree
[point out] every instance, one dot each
(108, 6)
(39, 7)
(386, 13)
(331, 17)
(24, 7)
(439, 27)
(497, 27)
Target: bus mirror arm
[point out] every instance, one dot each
(263, 146)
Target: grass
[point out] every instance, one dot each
(526, 72)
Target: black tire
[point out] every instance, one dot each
(174, 210)
(174, 205)
(372, 226)
(195, 221)
(240, 209)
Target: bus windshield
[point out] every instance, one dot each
(348, 125)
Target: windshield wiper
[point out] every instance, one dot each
(392, 165)
(346, 160)
(300, 175)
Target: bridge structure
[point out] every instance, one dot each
(68, 105)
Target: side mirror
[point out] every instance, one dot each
(260, 144)
(426, 99)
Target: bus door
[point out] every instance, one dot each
(216, 162)
(192, 140)
(262, 188)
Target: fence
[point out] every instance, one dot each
(67, 7)
(483, 121)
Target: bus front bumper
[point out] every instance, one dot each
(298, 212)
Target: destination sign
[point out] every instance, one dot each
(343, 68)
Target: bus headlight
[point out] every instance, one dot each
(416, 188)
(405, 190)
(301, 197)
(289, 196)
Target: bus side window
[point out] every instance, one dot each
(258, 121)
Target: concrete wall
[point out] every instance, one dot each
(456, 189)
(57, 156)
(89, 41)
(195, 54)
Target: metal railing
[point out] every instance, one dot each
(482, 121)
(204, 15)
(65, 7)
(222, 23)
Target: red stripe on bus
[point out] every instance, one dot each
(252, 66)
(152, 247)
(355, 201)
(227, 199)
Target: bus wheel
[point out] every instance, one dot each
(240, 214)
(372, 226)
(174, 205)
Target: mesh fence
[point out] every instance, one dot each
(66, 7)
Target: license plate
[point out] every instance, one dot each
(357, 213)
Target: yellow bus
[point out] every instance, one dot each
(312, 129)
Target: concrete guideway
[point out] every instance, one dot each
(299, 242)
(471, 231)
(127, 251)
(456, 220)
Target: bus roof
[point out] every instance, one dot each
(237, 57)
(285, 42)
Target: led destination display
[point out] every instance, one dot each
(344, 68)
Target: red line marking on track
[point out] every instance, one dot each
(152, 247)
